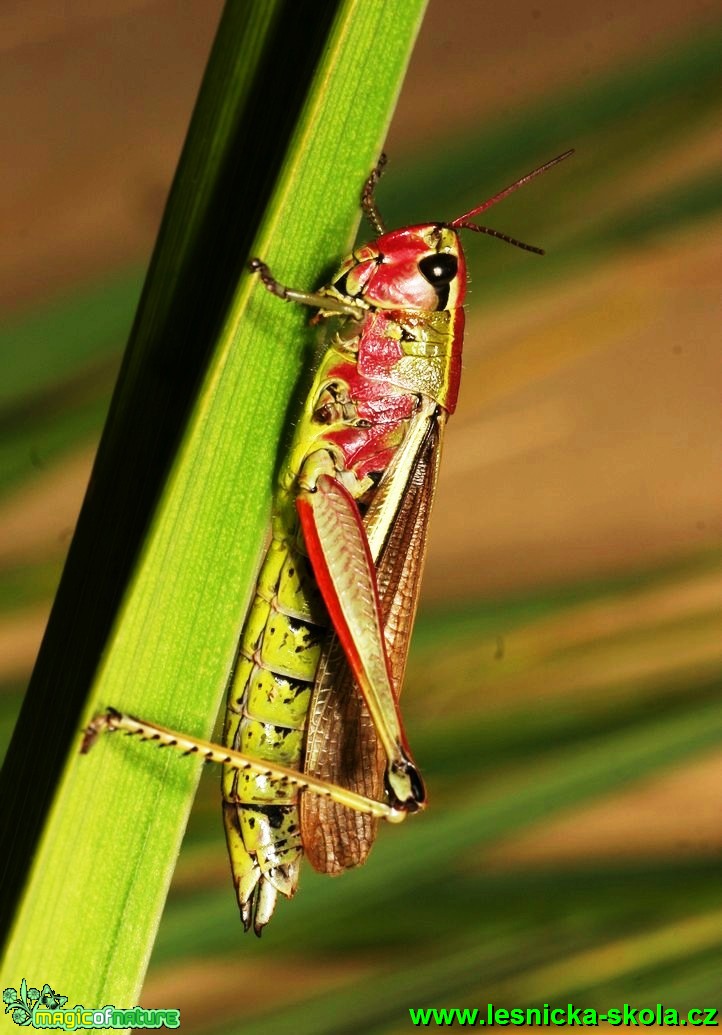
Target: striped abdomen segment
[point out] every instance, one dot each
(267, 707)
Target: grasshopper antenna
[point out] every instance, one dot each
(462, 222)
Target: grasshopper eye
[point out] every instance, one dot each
(439, 269)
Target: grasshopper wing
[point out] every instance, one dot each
(342, 744)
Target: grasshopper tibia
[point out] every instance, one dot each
(112, 720)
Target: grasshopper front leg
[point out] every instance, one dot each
(315, 300)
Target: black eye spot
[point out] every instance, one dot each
(439, 269)
(341, 285)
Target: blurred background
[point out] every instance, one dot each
(563, 696)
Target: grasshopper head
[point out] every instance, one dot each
(418, 267)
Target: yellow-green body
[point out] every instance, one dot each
(267, 708)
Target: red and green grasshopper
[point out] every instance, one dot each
(315, 747)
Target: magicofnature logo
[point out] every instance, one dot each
(44, 1008)
(21, 1005)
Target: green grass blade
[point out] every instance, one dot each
(162, 564)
